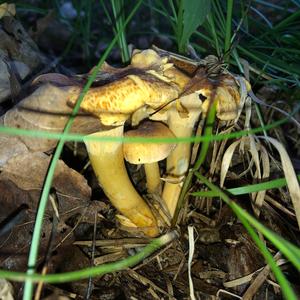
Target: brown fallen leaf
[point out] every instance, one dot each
(19, 55)
(28, 171)
(10, 146)
(15, 41)
(236, 255)
(4, 80)
(20, 187)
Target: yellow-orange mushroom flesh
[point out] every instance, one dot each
(149, 153)
(107, 161)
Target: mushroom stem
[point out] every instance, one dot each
(153, 178)
(107, 161)
(178, 161)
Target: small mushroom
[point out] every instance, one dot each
(223, 89)
(107, 160)
(179, 159)
(149, 153)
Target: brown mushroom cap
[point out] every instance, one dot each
(144, 153)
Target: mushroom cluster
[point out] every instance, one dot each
(161, 101)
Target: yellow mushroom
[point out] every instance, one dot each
(228, 98)
(107, 160)
(179, 159)
(148, 81)
(113, 103)
(149, 154)
(224, 90)
(126, 95)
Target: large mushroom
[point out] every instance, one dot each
(113, 103)
(227, 96)
(137, 88)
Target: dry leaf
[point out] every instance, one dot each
(19, 55)
(9, 147)
(16, 43)
(260, 196)
(4, 80)
(289, 174)
(6, 290)
(28, 171)
(7, 10)
(21, 182)
(226, 161)
(258, 155)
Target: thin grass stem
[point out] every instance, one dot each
(33, 254)
(228, 30)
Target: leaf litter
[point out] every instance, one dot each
(220, 259)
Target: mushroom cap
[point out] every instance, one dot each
(223, 88)
(144, 59)
(123, 97)
(143, 153)
(177, 77)
(227, 96)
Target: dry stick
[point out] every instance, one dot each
(260, 279)
(279, 206)
(72, 230)
(227, 293)
(146, 281)
(137, 242)
(116, 255)
(90, 284)
(149, 259)
(40, 285)
(62, 292)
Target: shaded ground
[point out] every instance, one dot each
(225, 257)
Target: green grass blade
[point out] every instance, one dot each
(220, 17)
(92, 271)
(292, 253)
(118, 11)
(247, 189)
(287, 21)
(179, 27)
(212, 27)
(228, 29)
(173, 10)
(192, 14)
(28, 290)
(81, 137)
